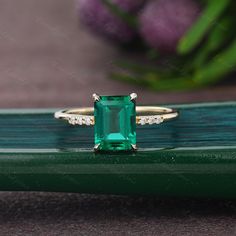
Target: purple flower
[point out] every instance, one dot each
(164, 22)
(96, 16)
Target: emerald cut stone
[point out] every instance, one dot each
(115, 123)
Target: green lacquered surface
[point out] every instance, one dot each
(194, 155)
(115, 127)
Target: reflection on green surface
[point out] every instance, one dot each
(194, 155)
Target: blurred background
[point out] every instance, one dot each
(56, 53)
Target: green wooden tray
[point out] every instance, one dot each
(194, 155)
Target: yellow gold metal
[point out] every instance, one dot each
(96, 147)
(143, 112)
(96, 97)
(133, 96)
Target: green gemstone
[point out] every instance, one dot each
(115, 123)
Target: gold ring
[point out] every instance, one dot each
(115, 119)
(144, 115)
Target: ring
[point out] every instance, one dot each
(115, 119)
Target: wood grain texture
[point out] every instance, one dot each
(195, 155)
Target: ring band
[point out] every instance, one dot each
(145, 115)
(115, 119)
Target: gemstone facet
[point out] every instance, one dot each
(115, 123)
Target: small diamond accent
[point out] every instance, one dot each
(150, 120)
(80, 120)
(159, 119)
(142, 121)
(72, 120)
(88, 121)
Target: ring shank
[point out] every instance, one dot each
(143, 113)
(141, 110)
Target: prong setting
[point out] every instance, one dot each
(133, 96)
(96, 97)
(134, 147)
(96, 147)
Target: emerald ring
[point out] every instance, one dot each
(115, 119)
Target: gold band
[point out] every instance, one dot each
(145, 115)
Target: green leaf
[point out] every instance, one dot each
(173, 84)
(209, 17)
(221, 65)
(220, 34)
(158, 83)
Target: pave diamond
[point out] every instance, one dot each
(115, 126)
(150, 120)
(80, 120)
(159, 119)
(142, 121)
(72, 120)
(88, 121)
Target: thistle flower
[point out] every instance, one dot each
(164, 22)
(99, 18)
